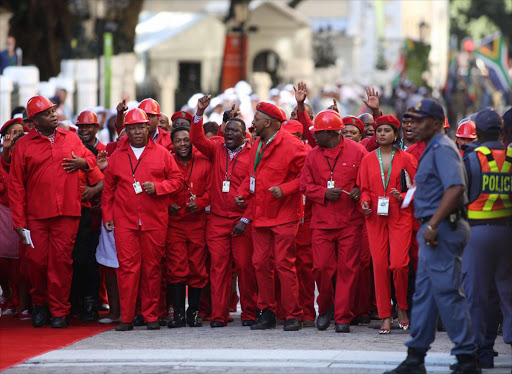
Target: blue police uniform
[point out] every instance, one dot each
(487, 259)
(438, 280)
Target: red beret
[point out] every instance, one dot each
(271, 110)
(387, 120)
(354, 121)
(292, 126)
(182, 114)
(14, 121)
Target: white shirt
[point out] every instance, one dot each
(137, 151)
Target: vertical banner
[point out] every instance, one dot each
(108, 47)
(235, 56)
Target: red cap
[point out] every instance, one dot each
(271, 110)
(87, 117)
(38, 104)
(292, 126)
(14, 121)
(327, 120)
(150, 106)
(354, 121)
(466, 129)
(135, 115)
(182, 114)
(387, 120)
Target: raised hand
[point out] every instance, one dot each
(372, 100)
(301, 92)
(122, 107)
(202, 104)
(102, 160)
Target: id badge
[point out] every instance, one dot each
(137, 188)
(225, 186)
(252, 184)
(383, 206)
(330, 184)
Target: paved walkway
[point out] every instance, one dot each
(236, 349)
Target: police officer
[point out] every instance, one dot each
(439, 203)
(487, 259)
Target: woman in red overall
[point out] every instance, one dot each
(389, 226)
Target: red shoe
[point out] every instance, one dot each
(404, 325)
(384, 331)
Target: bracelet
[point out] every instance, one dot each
(430, 228)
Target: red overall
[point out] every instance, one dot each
(224, 215)
(45, 199)
(140, 222)
(389, 236)
(336, 225)
(185, 252)
(275, 221)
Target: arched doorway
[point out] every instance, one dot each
(267, 61)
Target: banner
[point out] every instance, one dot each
(494, 53)
(234, 63)
(108, 48)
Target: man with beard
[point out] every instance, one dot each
(44, 197)
(138, 180)
(228, 228)
(272, 188)
(186, 235)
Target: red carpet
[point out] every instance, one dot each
(19, 341)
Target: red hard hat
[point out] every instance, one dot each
(446, 124)
(135, 115)
(466, 129)
(38, 104)
(327, 120)
(150, 106)
(87, 117)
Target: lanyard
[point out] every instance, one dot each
(136, 166)
(189, 177)
(226, 177)
(260, 156)
(385, 182)
(332, 167)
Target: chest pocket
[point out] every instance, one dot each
(349, 170)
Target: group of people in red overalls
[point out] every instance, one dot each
(165, 216)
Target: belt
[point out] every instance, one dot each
(452, 217)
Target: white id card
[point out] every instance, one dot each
(137, 188)
(383, 206)
(330, 184)
(252, 184)
(408, 197)
(225, 186)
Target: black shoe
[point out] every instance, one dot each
(124, 326)
(342, 327)
(89, 312)
(467, 364)
(179, 293)
(413, 364)
(292, 324)
(139, 321)
(214, 324)
(193, 318)
(248, 322)
(178, 320)
(162, 321)
(323, 321)
(154, 325)
(194, 301)
(59, 322)
(40, 316)
(267, 320)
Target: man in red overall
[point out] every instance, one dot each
(228, 228)
(276, 160)
(44, 192)
(138, 180)
(329, 180)
(185, 254)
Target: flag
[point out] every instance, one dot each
(493, 51)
